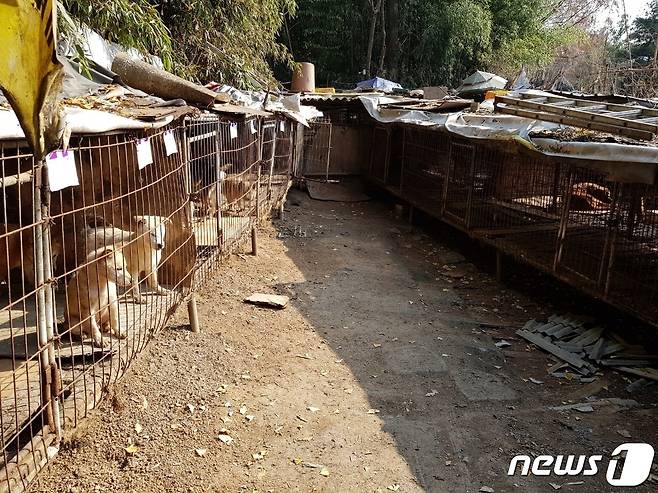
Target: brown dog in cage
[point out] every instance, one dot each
(588, 196)
(17, 252)
(92, 300)
(238, 192)
(143, 253)
(205, 199)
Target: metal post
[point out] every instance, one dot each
(193, 313)
(254, 241)
(44, 356)
(218, 187)
(564, 221)
(258, 194)
(49, 287)
(328, 152)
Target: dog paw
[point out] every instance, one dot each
(102, 343)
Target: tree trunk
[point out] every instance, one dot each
(393, 39)
(382, 51)
(371, 37)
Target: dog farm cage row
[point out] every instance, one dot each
(89, 272)
(575, 219)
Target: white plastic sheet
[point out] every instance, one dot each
(509, 127)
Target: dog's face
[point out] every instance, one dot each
(115, 266)
(155, 227)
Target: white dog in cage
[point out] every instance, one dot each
(143, 253)
(91, 296)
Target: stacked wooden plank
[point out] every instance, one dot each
(585, 346)
(635, 122)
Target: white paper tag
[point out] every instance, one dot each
(144, 154)
(234, 130)
(170, 143)
(61, 170)
(282, 126)
(252, 127)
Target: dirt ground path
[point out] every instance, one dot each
(381, 375)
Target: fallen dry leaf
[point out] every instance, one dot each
(313, 409)
(200, 451)
(243, 410)
(324, 472)
(131, 449)
(138, 428)
(250, 417)
(225, 439)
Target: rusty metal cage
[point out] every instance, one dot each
(567, 217)
(26, 413)
(239, 162)
(380, 154)
(424, 167)
(317, 149)
(91, 270)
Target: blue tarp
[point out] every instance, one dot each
(379, 84)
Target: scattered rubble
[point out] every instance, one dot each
(268, 300)
(586, 346)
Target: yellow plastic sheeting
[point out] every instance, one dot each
(30, 74)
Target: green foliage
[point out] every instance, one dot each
(229, 41)
(440, 41)
(134, 24)
(532, 51)
(224, 40)
(643, 35)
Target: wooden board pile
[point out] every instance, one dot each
(635, 122)
(586, 346)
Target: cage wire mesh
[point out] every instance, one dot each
(561, 216)
(89, 273)
(317, 149)
(424, 167)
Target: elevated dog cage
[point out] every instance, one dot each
(98, 254)
(100, 244)
(569, 217)
(424, 167)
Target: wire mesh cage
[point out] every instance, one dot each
(380, 153)
(631, 275)
(239, 161)
(92, 268)
(317, 149)
(587, 219)
(568, 217)
(126, 262)
(517, 203)
(201, 142)
(424, 167)
(26, 413)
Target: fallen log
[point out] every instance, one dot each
(161, 83)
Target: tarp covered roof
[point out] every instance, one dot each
(379, 84)
(480, 81)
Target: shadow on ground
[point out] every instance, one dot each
(421, 343)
